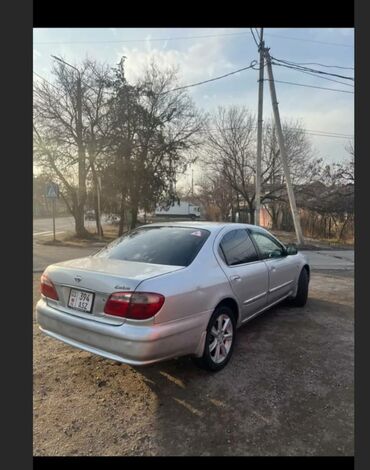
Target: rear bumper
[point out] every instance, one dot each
(127, 343)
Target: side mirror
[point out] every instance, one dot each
(291, 249)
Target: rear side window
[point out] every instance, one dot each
(175, 246)
(237, 248)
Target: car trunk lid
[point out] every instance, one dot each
(98, 277)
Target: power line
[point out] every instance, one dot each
(312, 86)
(290, 64)
(239, 33)
(308, 131)
(82, 81)
(258, 34)
(325, 65)
(144, 40)
(44, 79)
(324, 78)
(309, 40)
(316, 133)
(254, 38)
(251, 66)
(312, 74)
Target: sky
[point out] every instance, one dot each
(204, 53)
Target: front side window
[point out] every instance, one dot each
(175, 246)
(236, 247)
(268, 247)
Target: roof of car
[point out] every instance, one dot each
(211, 226)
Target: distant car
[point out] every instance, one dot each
(90, 215)
(168, 290)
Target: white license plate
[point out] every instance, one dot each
(81, 300)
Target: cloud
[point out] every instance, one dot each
(191, 61)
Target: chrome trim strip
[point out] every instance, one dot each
(280, 287)
(252, 299)
(267, 307)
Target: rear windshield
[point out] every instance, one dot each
(176, 246)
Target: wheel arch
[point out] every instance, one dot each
(307, 268)
(232, 304)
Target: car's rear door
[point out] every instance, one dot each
(247, 274)
(281, 268)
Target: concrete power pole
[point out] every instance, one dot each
(259, 130)
(99, 208)
(283, 153)
(192, 182)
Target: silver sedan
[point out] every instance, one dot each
(168, 290)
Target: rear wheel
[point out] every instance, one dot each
(302, 292)
(220, 339)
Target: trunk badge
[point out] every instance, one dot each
(78, 278)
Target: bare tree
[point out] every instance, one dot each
(303, 167)
(67, 119)
(231, 153)
(215, 195)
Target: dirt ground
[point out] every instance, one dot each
(288, 390)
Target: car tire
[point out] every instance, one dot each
(302, 292)
(218, 350)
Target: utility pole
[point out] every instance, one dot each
(54, 220)
(192, 182)
(259, 130)
(99, 215)
(293, 207)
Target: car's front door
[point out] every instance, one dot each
(247, 274)
(281, 268)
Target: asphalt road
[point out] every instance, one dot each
(43, 255)
(43, 228)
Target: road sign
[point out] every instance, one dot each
(52, 191)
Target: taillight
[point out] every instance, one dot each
(47, 288)
(135, 305)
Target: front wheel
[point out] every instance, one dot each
(220, 340)
(302, 292)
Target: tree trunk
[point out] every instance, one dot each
(96, 189)
(251, 214)
(122, 217)
(342, 229)
(232, 214)
(80, 223)
(274, 216)
(134, 211)
(97, 221)
(79, 216)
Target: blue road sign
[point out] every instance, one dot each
(52, 191)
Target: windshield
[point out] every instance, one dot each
(175, 246)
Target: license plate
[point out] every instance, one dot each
(81, 300)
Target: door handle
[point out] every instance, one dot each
(272, 269)
(235, 278)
